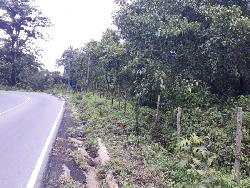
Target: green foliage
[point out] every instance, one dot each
(69, 183)
(79, 159)
(20, 22)
(126, 184)
(203, 41)
(194, 157)
(203, 159)
(57, 90)
(115, 128)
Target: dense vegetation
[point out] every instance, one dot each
(188, 54)
(20, 27)
(163, 54)
(168, 42)
(140, 161)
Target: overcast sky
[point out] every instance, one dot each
(75, 23)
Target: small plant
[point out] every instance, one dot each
(79, 97)
(79, 159)
(70, 183)
(126, 184)
(196, 159)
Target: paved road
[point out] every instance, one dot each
(28, 124)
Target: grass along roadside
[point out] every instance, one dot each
(139, 162)
(131, 164)
(96, 147)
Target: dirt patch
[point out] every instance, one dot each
(91, 180)
(59, 156)
(103, 156)
(66, 173)
(76, 173)
(111, 181)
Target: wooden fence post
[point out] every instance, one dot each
(125, 102)
(93, 88)
(178, 124)
(118, 94)
(112, 100)
(238, 144)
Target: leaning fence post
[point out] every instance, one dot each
(178, 123)
(238, 144)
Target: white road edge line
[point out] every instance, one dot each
(35, 173)
(15, 107)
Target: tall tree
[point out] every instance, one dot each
(67, 61)
(20, 21)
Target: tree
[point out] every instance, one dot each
(197, 40)
(112, 57)
(67, 61)
(20, 21)
(42, 80)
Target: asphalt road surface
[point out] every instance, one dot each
(28, 124)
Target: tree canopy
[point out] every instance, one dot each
(158, 44)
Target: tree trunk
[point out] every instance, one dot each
(238, 145)
(178, 124)
(137, 113)
(107, 80)
(13, 76)
(157, 116)
(13, 65)
(119, 100)
(241, 86)
(87, 79)
(157, 112)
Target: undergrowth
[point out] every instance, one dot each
(141, 161)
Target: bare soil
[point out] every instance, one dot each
(61, 168)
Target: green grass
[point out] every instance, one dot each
(138, 161)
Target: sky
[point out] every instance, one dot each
(75, 22)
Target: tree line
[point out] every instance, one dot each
(161, 46)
